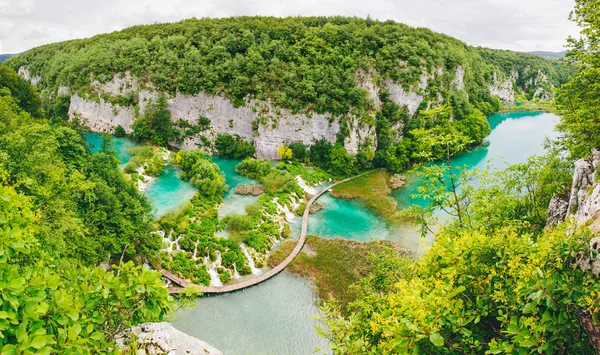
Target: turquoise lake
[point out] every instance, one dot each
(276, 317)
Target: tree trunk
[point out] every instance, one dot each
(592, 330)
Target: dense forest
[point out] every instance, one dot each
(64, 211)
(306, 65)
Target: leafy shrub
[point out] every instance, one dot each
(255, 169)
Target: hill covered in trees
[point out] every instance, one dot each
(361, 83)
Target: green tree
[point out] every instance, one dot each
(155, 125)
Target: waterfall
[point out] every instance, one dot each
(214, 277)
(255, 271)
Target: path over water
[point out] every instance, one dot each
(277, 269)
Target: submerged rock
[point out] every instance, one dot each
(315, 207)
(254, 190)
(397, 181)
(162, 338)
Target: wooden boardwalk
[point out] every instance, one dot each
(276, 270)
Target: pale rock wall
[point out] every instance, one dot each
(459, 79)
(100, 116)
(582, 202)
(162, 339)
(410, 98)
(278, 126)
(503, 88)
(24, 72)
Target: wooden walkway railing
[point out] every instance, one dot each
(268, 274)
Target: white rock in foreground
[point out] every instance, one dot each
(162, 338)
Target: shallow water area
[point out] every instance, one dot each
(232, 202)
(272, 318)
(168, 192)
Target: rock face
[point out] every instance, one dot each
(503, 88)
(583, 201)
(162, 338)
(557, 211)
(267, 126)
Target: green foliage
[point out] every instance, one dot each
(25, 95)
(311, 175)
(255, 169)
(120, 132)
(202, 173)
(58, 110)
(52, 307)
(474, 293)
(341, 163)
(155, 126)
(150, 158)
(320, 153)
(280, 181)
(495, 281)
(299, 151)
(234, 147)
(89, 210)
(557, 71)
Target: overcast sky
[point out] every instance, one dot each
(522, 25)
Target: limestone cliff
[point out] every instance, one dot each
(268, 126)
(583, 201)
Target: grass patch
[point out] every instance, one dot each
(372, 190)
(529, 106)
(332, 265)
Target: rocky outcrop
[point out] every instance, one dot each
(459, 79)
(503, 88)
(583, 200)
(397, 181)
(558, 209)
(162, 338)
(24, 72)
(254, 190)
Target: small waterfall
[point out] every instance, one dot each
(236, 274)
(255, 271)
(308, 189)
(214, 277)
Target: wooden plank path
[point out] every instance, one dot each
(267, 275)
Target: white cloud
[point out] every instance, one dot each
(523, 25)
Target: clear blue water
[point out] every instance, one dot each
(272, 318)
(120, 145)
(167, 193)
(514, 137)
(233, 203)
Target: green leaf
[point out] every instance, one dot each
(436, 339)
(38, 342)
(9, 349)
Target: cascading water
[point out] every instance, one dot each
(255, 270)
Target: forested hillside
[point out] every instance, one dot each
(87, 209)
(273, 81)
(63, 211)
